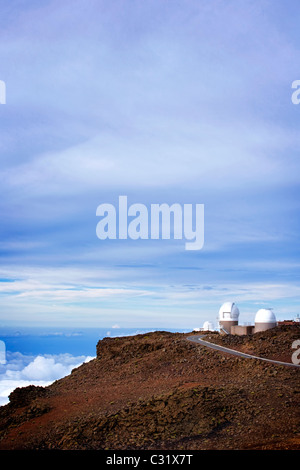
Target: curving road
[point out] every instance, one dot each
(198, 340)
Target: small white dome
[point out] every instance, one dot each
(229, 312)
(265, 315)
(208, 326)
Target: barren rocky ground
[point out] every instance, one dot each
(160, 391)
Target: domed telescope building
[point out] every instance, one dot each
(228, 320)
(228, 316)
(208, 326)
(264, 319)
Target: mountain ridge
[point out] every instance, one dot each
(159, 391)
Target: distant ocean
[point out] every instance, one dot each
(74, 341)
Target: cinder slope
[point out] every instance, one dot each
(159, 391)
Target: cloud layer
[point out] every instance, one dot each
(22, 370)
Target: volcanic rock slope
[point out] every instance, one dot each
(161, 391)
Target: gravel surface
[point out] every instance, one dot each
(160, 391)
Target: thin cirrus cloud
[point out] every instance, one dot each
(161, 102)
(216, 159)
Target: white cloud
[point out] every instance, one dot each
(8, 385)
(43, 368)
(21, 370)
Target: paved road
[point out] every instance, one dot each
(198, 339)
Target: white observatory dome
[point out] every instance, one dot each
(229, 312)
(265, 315)
(208, 326)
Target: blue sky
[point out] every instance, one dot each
(176, 102)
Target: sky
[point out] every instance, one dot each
(184, 102)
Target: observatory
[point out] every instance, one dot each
(229, 320)
(208, 326)
(264, 319)
(228, 316)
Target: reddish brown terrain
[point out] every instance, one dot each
(161, 391)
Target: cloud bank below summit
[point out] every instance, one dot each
(22, 370)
